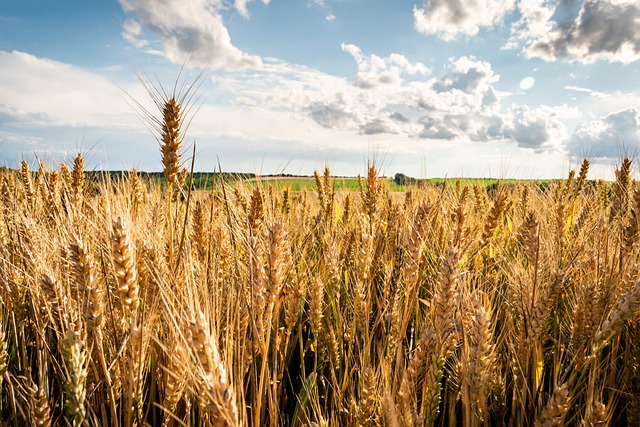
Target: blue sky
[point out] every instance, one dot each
(500, 88)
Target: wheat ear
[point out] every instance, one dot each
(556, 408)
(480, 357)
(214, 375)
(597, 415)
(199, 231)
(27, 183)
(491, 222)
(77, 183)
(75, 359)
(125, 265)
(626, 308)
(171, 138)
(368, 398)
(83, 269)
(174, 378)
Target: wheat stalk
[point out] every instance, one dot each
(27, 183)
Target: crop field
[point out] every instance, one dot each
(244, 306)
(297, 184)
(339, 184)
(355, 184)
(208, 181)
(128, 301)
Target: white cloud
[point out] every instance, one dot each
(335, 114)
(460, 104)
(131, 32)
(467, 87)
(607, 137)
(29, 142)
(41, 91)
(582, 31)
(451, 18)
(579, 89)
(535, 21)
(375, 71)
(241, 6)
(53, 109)
(598, 103)
(194, 28)
(536, 129)
(468, 75)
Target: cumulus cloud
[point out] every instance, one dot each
(393, 123)
(375, 71)
(461, 103)
(190, 27)
(446, 126)
(377, 126)
(608, 136)
(41, 91)
(582, 31)
(602, 30)
(535, 129)
(54, 108)
(468, 75)
(467, 86)
(451, 18)
(241, 6)
(334, 114)
(535, 21)
(131, 32)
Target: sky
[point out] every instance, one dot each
(428, 88)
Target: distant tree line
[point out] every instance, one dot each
(404, 180)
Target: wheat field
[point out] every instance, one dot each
(130, 303)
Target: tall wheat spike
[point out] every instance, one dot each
(171, 138)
